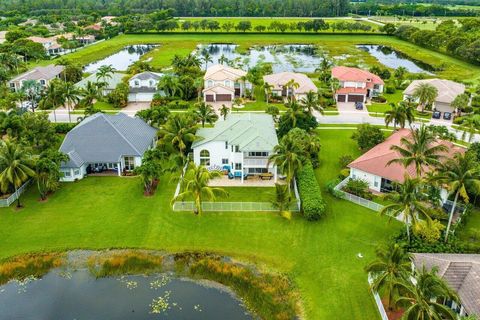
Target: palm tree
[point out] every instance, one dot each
(206, 57)
(420, 298)
(287, 156)
(470, 125)
(16, 167)
(222, 59)
(460, 175)
(393, 264)
(294, 111)
(400, 114)
(419, 150)
(407, 203)
(324, 68)
(290, 86)
(179, 132)
(53, 97)
(311, 102)
(282, 199)
(195, 185)
(426, 94)
(224, 111)
(205, 113)
(71, 96)
(89, 93)
(268, 91)
(198, 84)
(170, 85)
(105, 72)
(32, 90)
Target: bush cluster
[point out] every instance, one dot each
(63, 128)
(313, 206)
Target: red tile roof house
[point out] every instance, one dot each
(372, 165)
(356, 85)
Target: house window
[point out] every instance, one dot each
(209, 83)
(67, 173)
(257, 170)
(237, 148)
(226, 144)
(258, 154)
(375, 183)
(205, 157)
(136, 83)
(43, 82)
(238, 166)
(227, 83)
(76, 172)
(152, 83)
(129, 163)
(224, 161)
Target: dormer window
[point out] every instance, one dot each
(151, 83)
(136, 83)
(209, 83)
(227, 83)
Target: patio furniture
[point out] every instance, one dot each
(266, 176)
(237, 174)
(230, 175)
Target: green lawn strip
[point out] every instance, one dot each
(335, 45)
(105, 212)
(472, 225)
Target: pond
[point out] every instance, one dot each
(394, 59)
(122, 59)
(78, 295)
(289, 57)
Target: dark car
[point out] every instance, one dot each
(447, 115)
(359, 105)
(437, 115)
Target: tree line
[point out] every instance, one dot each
(408, 9)
(204, 8)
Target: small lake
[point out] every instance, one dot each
(290, 57)
(122, 59)
(78, 295)
(394, 59)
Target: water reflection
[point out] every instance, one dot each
(122, 59)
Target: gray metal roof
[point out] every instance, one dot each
(460, 271)
(147, 75)
(106, 138)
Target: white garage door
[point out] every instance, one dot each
(443, 107)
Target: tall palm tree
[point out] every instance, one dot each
(268, 91)
(224, 111)
(16, 167)
(206, 57)
(420, 150)
(460, 175)
(294, 111)
(426, 94)
(195, 185)
(179, 132)
(71, 95)
(198, 84)
(290, 86)
(32, 90)
(53, 97)
(170, 85)
(324, 68)
(205, 113)
(287, 156)
(420, 298)
(395, 115)
(105, 72)
(89, 93)
(311, 102)
(222, 59)
(470, 125)
(392, 264)
(407, 203)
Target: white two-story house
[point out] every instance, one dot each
(240, 145)
(356, 85)
(224, 83)
(143, 86)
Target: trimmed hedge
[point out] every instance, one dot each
(313, 206)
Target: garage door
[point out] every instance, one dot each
(144, 96)
(209, 98)
(355, 98)
(224, 97)
(443, 107)
(341, 98)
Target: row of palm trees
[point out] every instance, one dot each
(417, 293)
(460, 175)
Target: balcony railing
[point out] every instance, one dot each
(255, 162)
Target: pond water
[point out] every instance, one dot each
(290, 57)
(394, 59)
(78, 295)
(122, 59)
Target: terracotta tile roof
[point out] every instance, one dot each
(460, 271)
(375, 160)
(352, 90)
(354, 74)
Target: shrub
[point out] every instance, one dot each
(428, 233)
(476, 101)
(63, 128)
(368, 136)
(345, 160)
(380, 99)
(358, 187)
(330, 186)
(390, 89)
(313, 206)
(131, 262)
(178, 104)
(22, 267)
(458, 120)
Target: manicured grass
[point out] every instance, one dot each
(260, 103)
(321, 258)
(249, 194)
(333, 44)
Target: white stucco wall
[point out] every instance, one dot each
(75, 173)
(374, 182)
(151, 83)
(217, 152)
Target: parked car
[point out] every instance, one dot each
(437, 115)
(359, 105)
(447, 115)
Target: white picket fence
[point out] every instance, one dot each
(378, 300)
(229, 206)
(14, 196)
(355, 199)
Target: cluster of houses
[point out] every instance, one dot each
(53, 46)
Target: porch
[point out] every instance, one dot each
(248, 181)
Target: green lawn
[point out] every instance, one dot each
(334, 45)
(321, 257)
(260, 103)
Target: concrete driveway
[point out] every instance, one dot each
(133, 107)
(349, 108)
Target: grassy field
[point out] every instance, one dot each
(321, 257)
(424, 23)
(334, 45)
